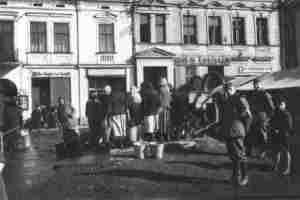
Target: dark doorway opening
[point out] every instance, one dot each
(153, 74)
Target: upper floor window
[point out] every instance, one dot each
(238, 26)
(38, 37)
(61, 38)
(160, 28)
(145, 31)
(262, 31)
(215, 30)
(189, 29)
(6, 40)
(106, 38)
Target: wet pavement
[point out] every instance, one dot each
(182, 174)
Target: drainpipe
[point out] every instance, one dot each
(132, 13)
(77, 59)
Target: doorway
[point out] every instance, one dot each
(153, 75)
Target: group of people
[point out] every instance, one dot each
(257, 121)
(43, 117)
(116, 117)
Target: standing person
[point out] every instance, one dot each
(118, 116)
(263, 107)
(106, 100)
(94, 114)
(135, 115)
(236, 111)
(164, 113)
(61, 110)
(36, 118)
(150, 105)
(282, 123)
(10, 121)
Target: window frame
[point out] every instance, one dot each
(210, 40)
(262, 39)
(11, 34)
(143, 35)
(162, 25)
(238, 34)
(68, 38)
(190, 40)
(45, 37)
(105, 35)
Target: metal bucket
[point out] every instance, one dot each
(159, 151)
(134, 133)
(140, 151)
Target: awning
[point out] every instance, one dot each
(277, 80)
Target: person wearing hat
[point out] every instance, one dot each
(263, 107)
(164, 113)
(10, 124)
(282, 125)
(237, 112)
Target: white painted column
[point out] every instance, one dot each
(137, 27)
(201, 28)
(152, 28)
(140, 72)
(201, 70)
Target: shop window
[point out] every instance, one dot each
(238, 26)
(106, 38)
(38, 37)
(61, 38)
(145, 31)
(6, 41)
(189, 29)
(262, 31)
(215, 30)
(160, 26)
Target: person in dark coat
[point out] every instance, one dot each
(282, 125)
(94, 114)
(36, 118)
(262, 107)
(10, 124)
(236, 110)
(150, 104)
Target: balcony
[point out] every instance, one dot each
(50, 58)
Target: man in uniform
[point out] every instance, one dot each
(234, 125)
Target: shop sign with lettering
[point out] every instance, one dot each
(203, 60)
(50, 74)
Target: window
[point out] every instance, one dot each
(190, 72)
(262, 31)
(215, 30)
(189, 29)
(160, 28)
(238, 25)
(145, 33)
(106, 38)
(38, 37)
(61, 38)
(6, 41)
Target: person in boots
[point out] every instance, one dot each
(236, 110)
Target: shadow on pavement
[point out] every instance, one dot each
(159, 177)
(226, 165)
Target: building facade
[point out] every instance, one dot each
(69, 48)
(179, 39)
(290, 29)
(65, 49)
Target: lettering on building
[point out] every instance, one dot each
(203, 60)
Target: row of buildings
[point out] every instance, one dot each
(53, 48)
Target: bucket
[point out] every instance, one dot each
(140, 151)
(133, 133)
(159, 151)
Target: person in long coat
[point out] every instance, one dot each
(164, 113)
(234, 127)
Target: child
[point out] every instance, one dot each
(282, 125)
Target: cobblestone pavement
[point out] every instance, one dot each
(182, 174)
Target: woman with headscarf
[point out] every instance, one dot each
(135, 115)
